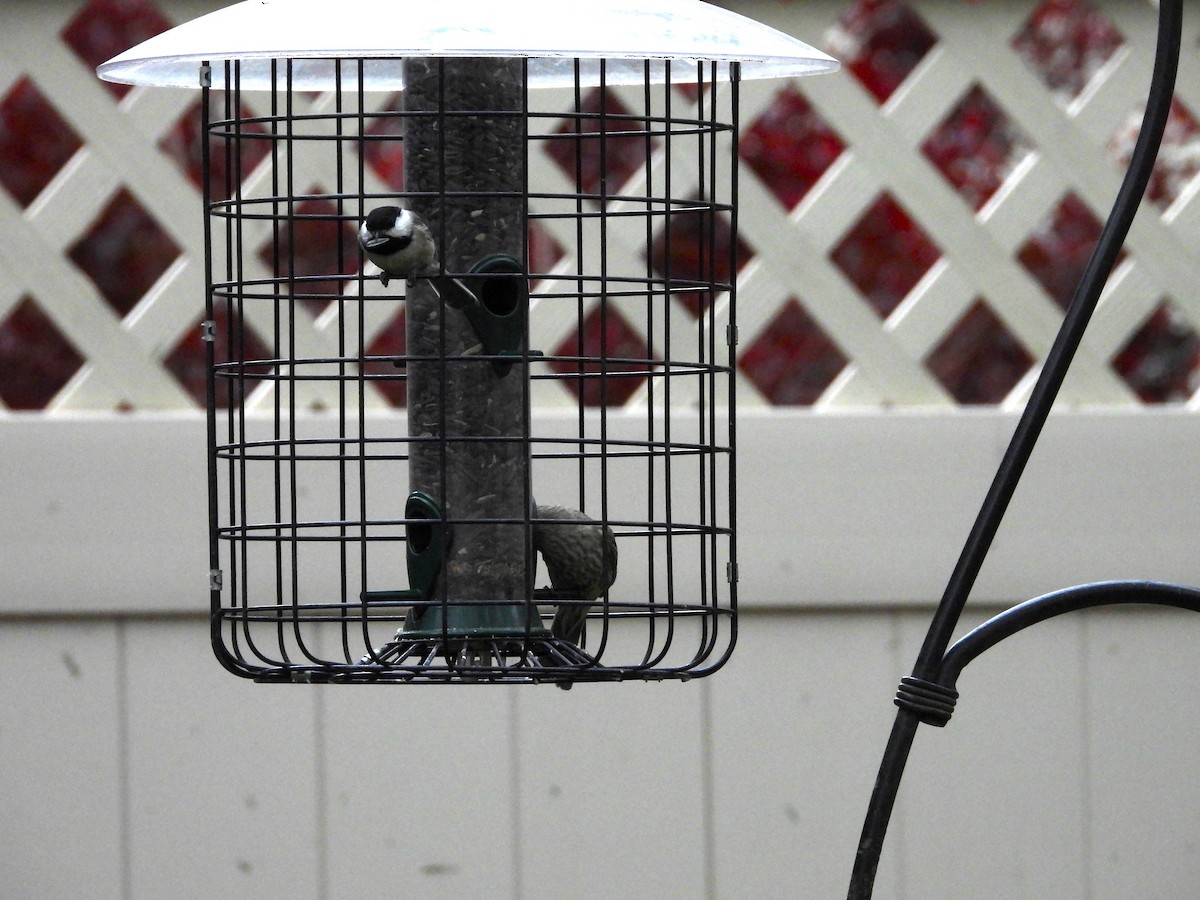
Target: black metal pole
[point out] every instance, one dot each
(1087, 596)
(1029, 426)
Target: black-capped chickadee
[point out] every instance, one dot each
(398, 241)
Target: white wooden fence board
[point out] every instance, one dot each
(796, 742)
(992, 807)
(1142, 717)
(62, 798)
(612, 791)
(419, 791)
(1094, 489)
(111, 516)
(221, 775)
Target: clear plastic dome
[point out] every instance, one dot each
(551, 34)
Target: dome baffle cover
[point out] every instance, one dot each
(622, 32)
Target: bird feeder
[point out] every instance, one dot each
(556, 501)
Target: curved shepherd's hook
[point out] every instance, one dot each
(924, 696)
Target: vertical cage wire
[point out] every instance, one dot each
(620, 385)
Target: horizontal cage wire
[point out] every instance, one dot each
(517, 464)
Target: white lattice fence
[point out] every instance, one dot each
(1069, 153)
(963, 260)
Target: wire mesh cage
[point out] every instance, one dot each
(554, 501)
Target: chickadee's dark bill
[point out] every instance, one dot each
(387, 244)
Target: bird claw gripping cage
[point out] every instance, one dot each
(430, 472)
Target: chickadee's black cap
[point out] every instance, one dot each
(382, 218)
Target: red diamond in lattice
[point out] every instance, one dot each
(792, 362)
(697, 248)
(979, 360)
(124, 252)
(692, 89)
(789, 147)
(315, 246)
(103, 28)
(885, 254)
(36, 361)
(1066, 42)
(544, 253)
(233, 342)
(591, 148)
(183, 144)
(35, 141)
(976, 147)
(1161, 362)
(1178, 159)
(384, 147)
(391, 343)
(881, 42)
(1057, 253)
(603, 335)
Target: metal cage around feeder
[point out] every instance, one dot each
(581, 392)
